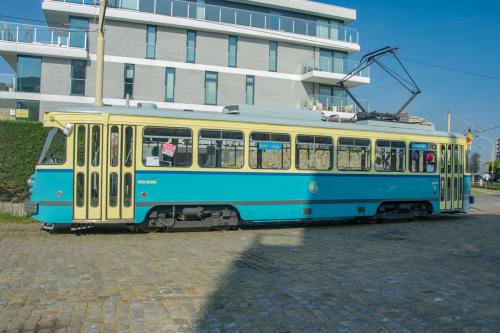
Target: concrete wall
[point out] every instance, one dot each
(171, 44)
(113, 80)
(190, 86)
(253, 53)
(56, 76)
(291, 57)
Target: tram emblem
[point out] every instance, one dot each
(313, 187)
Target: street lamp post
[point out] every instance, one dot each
(492, 153)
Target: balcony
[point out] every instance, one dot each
(332, 105)
(42, 40)
(331, 71)
(233, 16)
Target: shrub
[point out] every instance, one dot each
(20, 149)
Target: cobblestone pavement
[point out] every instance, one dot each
(437, 275)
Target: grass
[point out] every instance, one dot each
(9, 218)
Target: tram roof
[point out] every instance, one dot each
(264, 115)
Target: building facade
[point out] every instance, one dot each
(498, 149)
(195, 55)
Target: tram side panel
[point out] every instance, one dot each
(260, 196)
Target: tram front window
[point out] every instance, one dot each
(54, 149)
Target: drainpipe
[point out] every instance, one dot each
(100, 55)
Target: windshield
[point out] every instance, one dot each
(54, 149)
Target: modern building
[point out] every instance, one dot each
(195, 55)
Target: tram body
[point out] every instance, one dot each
(166, 168)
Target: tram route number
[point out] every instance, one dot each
(168, 149)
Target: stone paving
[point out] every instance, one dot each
(437, 275)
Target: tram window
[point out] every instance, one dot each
(114, 142)
(443, 159)
(113, 189)
(448, 154)
(94, 190)
(54, 149)
(270, 151)
(455, 159)
(390, 155)
(167, 147)
(127, 187)
(96, 145)
(80, 146)
(354, 154)
(422, 157)
(129, 146)
(80, 186)
(314, 153)
(220, 149)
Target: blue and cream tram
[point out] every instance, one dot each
(172, 168)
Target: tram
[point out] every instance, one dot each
(158, 169)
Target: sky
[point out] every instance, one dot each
(457, 34)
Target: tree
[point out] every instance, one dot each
(497, 167)
(475, 163)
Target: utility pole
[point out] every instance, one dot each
(449, 121)
(100, 55)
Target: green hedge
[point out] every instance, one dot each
(20, 149)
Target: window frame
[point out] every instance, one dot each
(250, 147)
(273, 61)
(72, 93)
(252, 77)
(216, 87)
(314, 136)
(148, 42)
(165, 166)
(167, 99)
(125, 83)
(221, 130)
(188, 59)
(370, 154)
(435, 151)
(403, 159)
(235, 39)
(20, 79)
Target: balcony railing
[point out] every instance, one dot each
(42, 35)
(340, 66)
(228, 15)
(7, 82)
(334, 104)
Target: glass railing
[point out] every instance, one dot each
(340, 66)
(228, 15)
(7, 82)
(35, 34)
(334, 103)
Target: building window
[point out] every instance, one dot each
(250, 90)
(129, 81)
(28, 74)
(314, 153)
(211, 88)
(151, 42)
(169, 84)
(334, 62)
(390, 155)
(167, 147)
(273, 56)
(270, 151)
(191, 46)
(354, 154)
(232, 51)
(78, 75)
(220, 149)
(78, 35)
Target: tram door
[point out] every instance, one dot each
(120, 173)
(451, 177)
(87, 180)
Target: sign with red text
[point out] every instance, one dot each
(168, 149)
